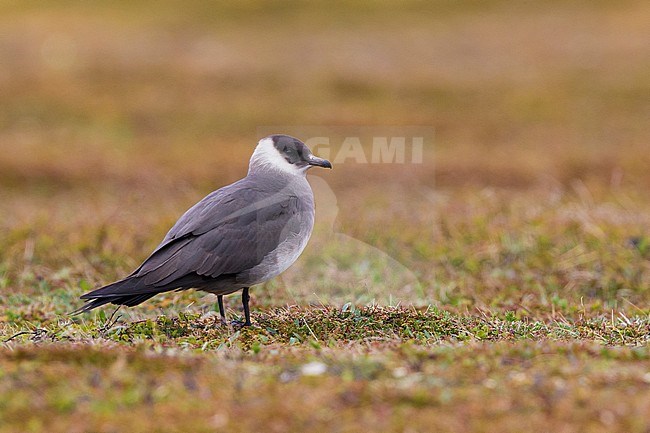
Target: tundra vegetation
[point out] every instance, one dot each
(501, 284)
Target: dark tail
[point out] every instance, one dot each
(132, 291)
(128, 300)
(116, 293)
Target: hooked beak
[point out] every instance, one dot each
(319, 162)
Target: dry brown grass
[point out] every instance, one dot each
(531, 207)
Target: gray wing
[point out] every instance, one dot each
(228, 232)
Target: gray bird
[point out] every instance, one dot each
(238, 236)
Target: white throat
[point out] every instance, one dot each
(267, 158)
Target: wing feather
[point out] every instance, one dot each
(228, 232)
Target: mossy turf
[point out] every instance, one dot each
(501, 285)
(340, 369)
(349, 386)
(330, 326)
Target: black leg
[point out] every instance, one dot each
(245, 297)
(222, 312)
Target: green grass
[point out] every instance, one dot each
(381, 385)
(501, 285)
(328, 326)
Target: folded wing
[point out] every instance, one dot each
(221, 236)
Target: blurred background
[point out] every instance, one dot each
(116, 116)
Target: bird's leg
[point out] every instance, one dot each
(222, 312)
(245, 297)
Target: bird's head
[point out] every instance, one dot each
(284, 154)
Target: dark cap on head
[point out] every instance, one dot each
(295, 152)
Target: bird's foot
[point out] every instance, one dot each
(239, 324)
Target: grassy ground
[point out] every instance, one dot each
(502, 284)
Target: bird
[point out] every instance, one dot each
(238, 236)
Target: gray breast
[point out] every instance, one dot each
(293, 240)
(238, 236)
